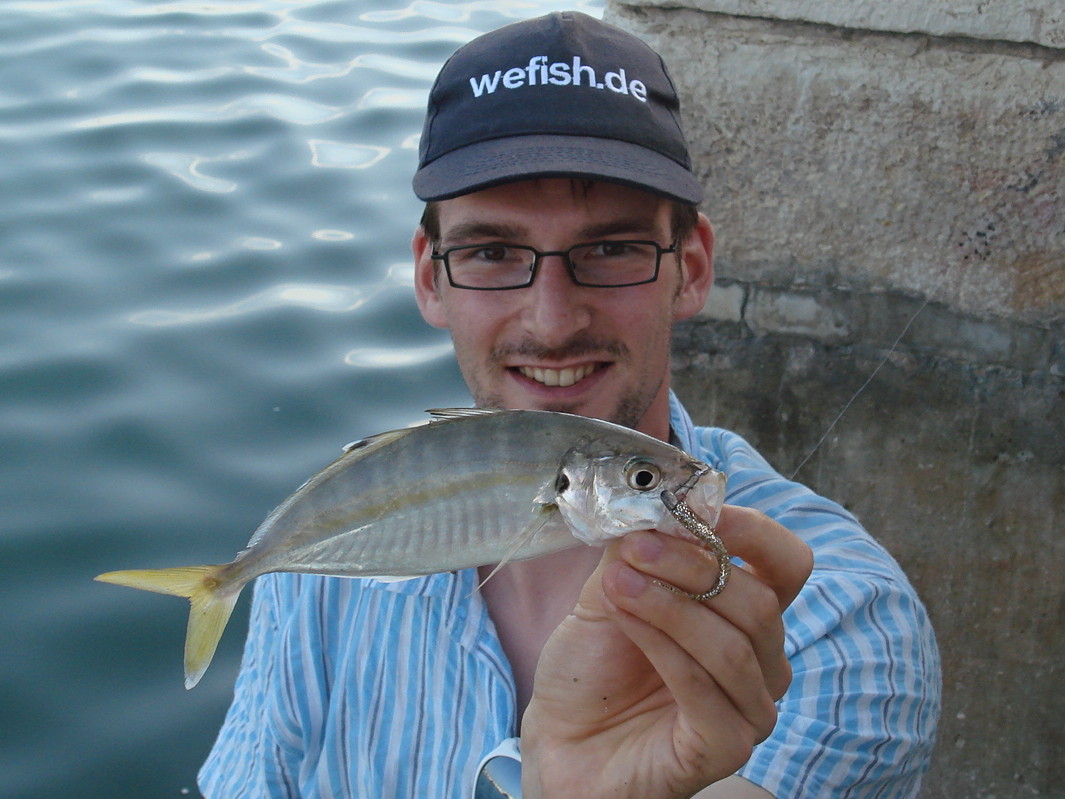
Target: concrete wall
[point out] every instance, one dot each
(887, 185)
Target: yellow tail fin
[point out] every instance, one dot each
(210, 610)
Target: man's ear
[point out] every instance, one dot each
(697, 270)
(425, 284)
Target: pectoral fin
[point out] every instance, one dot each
(543, 518)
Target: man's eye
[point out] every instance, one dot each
(493, 253)
(611, 249)
(483, 255)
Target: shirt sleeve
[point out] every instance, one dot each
(245, 754)
(860, 716)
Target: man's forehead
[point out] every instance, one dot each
(582, 203)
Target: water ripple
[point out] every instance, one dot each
(294, 110)
(186, 167)
(333, 299)
(339, 33)
(205, 289)
(398, 357)
(345, 155)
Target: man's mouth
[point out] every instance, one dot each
(564, 377)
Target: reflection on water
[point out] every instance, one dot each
(316, 297)
(205, 291)
(345, 156)
(395, 357)
(188, 168)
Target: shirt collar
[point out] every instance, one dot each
(685, 435)
(681, 427)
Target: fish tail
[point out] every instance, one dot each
(211, 607)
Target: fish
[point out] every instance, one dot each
(469, 487)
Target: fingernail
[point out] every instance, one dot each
(631, 583)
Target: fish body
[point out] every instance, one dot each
(470, 488)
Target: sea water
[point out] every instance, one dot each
(205, 291)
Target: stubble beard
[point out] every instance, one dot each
(629, 409)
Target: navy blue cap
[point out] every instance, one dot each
(563, 95)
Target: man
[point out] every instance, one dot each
(559, 246)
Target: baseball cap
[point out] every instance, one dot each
(562, 95)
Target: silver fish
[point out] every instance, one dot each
(470, 488)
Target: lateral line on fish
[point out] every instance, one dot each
(364, 514)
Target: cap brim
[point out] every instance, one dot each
(490, 163)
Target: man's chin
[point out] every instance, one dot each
(527, 401)
(625, 413)
(594, 399)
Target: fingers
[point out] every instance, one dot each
(746, 603)
(721, 700)
(708, 663)
(743, 621)
(740, 629)
(777, 556)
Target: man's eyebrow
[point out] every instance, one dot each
(479, 231)
(483, 231)
(634, 226)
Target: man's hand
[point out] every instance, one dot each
(644, 693)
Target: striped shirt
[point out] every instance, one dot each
(359, 688)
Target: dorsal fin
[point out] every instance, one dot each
(437, 414)
(378, 440)
(460, 413)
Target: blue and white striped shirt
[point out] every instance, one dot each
(358, 688)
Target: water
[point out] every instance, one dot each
(205, 290)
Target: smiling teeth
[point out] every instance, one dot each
(557, 377)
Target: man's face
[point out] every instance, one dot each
(600, 352)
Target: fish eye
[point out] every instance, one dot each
(643, 475)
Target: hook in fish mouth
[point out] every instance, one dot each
(683, 513)
(671, 498)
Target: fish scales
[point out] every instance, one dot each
(470, 488)
(357, 521)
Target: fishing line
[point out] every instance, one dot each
(861, 389)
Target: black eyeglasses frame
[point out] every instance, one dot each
(539, 255)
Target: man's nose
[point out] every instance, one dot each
(556, 307)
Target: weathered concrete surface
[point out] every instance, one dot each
(887, 182)
(1036, 21)
(876, 160)
(956, 467)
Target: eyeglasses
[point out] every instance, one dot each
(599, 264)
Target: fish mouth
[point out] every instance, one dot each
(562, 377)
(671, 498)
